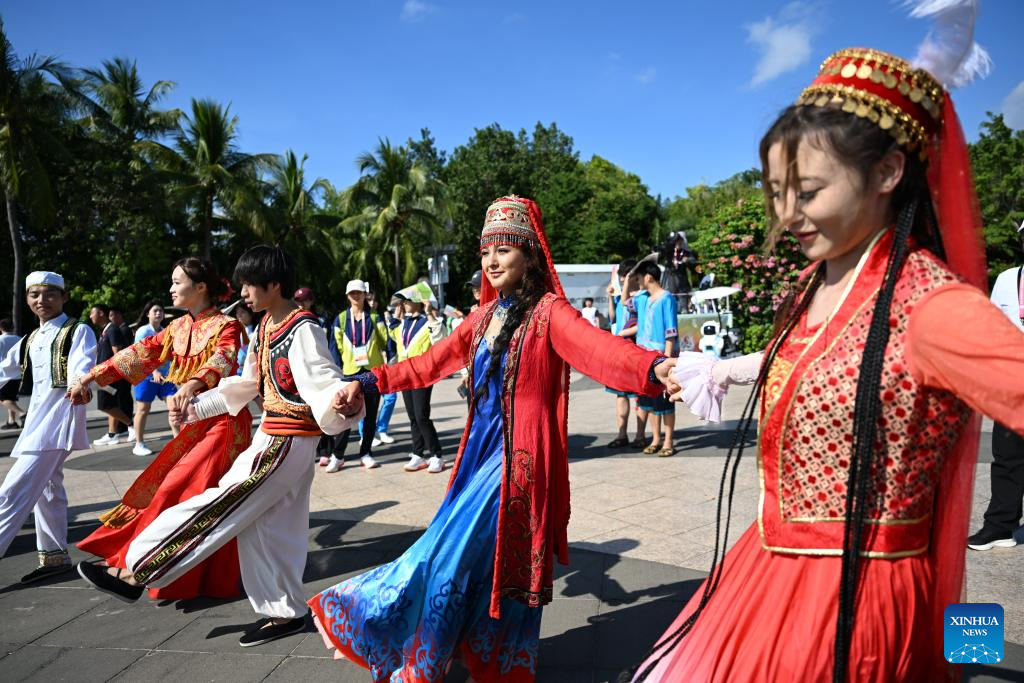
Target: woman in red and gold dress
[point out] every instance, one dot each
(203, 347)
(869, 394)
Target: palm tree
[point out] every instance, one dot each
(396, 204)
(204, 166)
(32, 107)
(126, 109)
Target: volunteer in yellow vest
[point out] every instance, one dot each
(420, 329)
(362, 339)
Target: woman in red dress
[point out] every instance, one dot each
(473, 586)
(203, 347)
(869, 394)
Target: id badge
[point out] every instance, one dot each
(361, 355)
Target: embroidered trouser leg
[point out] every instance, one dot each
(1004, 509)
(263, 500)
(36, 481)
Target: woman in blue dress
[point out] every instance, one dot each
(473, 585)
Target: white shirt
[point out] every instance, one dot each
(52, 423)
(316, 377)
(590, 314)
(6, 342)
(1006, 296)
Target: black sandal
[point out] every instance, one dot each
(114, 586)
(638, 443)
(619, 442)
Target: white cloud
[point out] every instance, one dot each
(1013, 107)
(784, 42)
(415, 10)
(647, 75)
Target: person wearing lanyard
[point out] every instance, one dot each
(362, 338)
(420, 329)
(1005, 507)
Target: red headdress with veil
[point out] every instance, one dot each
(517, 222)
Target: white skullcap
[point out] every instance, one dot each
(44, 277)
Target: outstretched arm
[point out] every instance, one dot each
(442, 360)
(982, 363)
(609, 359)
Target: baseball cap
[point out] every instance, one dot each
(476, 279)
(303, 294)
(356, 286)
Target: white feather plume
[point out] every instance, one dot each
(949, 52)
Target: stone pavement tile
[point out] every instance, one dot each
(312, 646)
(174, 667)
(646, 544)
(623, 633)
(559, 675)
(221, 634)
(584, 524)
(564, 643)
(629, 581)
(8, 649)
(316, 670)
(38, 663)
(605, 497)
(582, 577)
(1010, 669)
(112, 623)
(27, 614)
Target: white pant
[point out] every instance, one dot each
(35, 483)
(263, 500)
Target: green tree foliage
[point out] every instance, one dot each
(32, 110)
(997, 159)
(730, 245)
(618, 218)
(397, 207)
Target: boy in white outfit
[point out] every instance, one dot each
(60, 350)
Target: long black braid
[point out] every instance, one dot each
(792, 315)
(531, 291)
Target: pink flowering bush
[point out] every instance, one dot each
(730, 244)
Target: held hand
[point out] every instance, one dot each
(78, 393)
(185, 393)
(663, 371)
(349, 399)
(157, 377)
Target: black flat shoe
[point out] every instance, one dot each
(102, 581)
(267, 631)
(51, 563)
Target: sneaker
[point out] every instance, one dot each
(985, 539)
(335, 464)
(99, 579)
(141, 449)
(376, 442)
(131, 434)
(384, 438)
(416, 463)
(268, 631)
(324, 460)
(368, 462)
(122, 437)
(14, 425)
(51, 563)
(107, 439)
(436, 465)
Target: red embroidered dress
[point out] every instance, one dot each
(792, 553)
(204, 348)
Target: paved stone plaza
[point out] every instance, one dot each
(642, 533)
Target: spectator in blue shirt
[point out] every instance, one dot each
(657, 328)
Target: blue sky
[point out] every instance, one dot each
(676, 92)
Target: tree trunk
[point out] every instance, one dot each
(18, 286)
(208, 227)
(398, 267)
